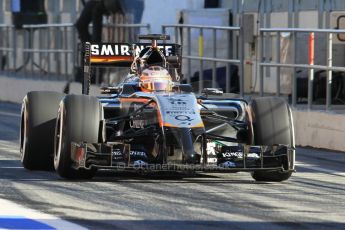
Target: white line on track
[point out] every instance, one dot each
(316, 168)
(9, 114)
(11, 213)
(8, 143)
(16, 167)
(10, 150)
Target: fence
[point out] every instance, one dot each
(224, 43)
(7, 47)
(328, 67)
(235, 48)
(50, 51)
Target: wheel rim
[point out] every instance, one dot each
(58, 139)
(24, 135)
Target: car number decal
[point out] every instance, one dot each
(179, 110)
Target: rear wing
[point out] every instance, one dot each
(117, 55)
(122, 54)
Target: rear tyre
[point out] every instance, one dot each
(272, 124)
(38, 118)
(78, 121)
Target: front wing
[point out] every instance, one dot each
(252, 158)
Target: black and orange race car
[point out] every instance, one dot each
(153, 122)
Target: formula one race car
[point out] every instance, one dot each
(152, 122)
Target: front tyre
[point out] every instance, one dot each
(38, 118)
(272, 125)
(78, 121)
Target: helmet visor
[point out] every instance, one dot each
(158, 85)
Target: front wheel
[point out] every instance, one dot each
(273, 176)
(37, 129)
(273, 125)
(78, 121)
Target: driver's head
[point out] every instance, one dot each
(155, 78)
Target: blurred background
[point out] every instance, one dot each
(224, 42)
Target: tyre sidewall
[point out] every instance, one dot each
(38, 117)
(80, 117)
(273, 124)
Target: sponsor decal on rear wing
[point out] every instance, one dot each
(122, 54)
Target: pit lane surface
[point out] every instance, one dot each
(314, 197)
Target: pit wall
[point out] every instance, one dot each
(316, 129)
(14, 89)
(319, 129)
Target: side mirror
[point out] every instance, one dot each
(110, 90)
(212, 91)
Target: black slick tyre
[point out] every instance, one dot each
(38, 118)
(272, 125)
(78, 121)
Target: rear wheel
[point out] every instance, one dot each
(272, 124)
(38, 118)
(78, 121)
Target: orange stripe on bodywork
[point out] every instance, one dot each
(200, 125)
(140, 100)
(169, 125)
(110, 59)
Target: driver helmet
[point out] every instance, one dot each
(155, 78)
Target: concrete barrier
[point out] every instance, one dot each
(14, 89)
(76, 87)
(317, 129)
